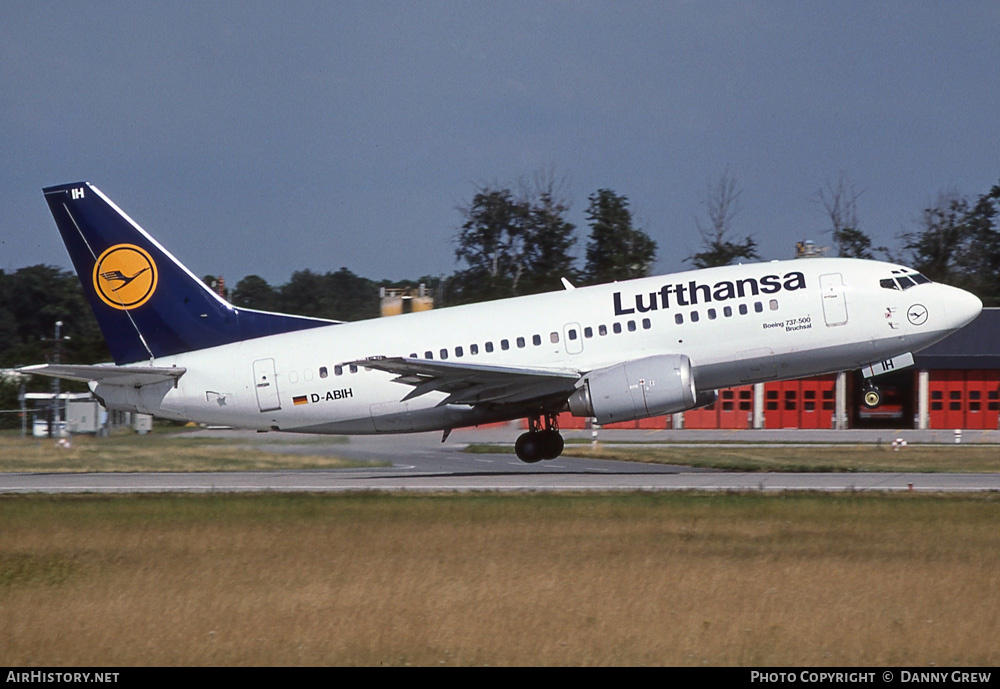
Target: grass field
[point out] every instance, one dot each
(657, 579)
(161, 452)
(801, 457)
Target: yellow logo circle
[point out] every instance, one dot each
(125, 276)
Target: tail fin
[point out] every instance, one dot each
(147, 304)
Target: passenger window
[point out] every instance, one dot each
(646, 324)
(727, 311)
(554, 337)
(443, 353)
(711, 314)
(617, 327)
(743, 309)
(474, 349)
(458, 352)
(758, 307)
(520, 343)
(678, 318)
(588, 332)
(338, 370)
(602, 330)
(489, 347)
(694, 316)
(536, 340)
(353, 368)
(631, 326)
(323, 372)
(428, 355)
(504, 345)
(572, 335)
(773, 304)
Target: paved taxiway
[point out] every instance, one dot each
(421, 462)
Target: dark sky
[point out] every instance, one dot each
(264, 138)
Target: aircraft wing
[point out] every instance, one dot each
(112, 375)
(475, 384)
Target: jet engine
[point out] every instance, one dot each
(636, 389)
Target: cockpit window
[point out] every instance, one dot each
(903, 281)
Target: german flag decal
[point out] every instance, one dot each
(301, 399)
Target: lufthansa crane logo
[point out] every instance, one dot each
(125, 276)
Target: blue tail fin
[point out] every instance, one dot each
(147, 304)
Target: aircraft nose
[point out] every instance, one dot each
(962, 307)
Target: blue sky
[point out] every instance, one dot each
(264, 138)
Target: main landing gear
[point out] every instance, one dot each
(871, 396)
(542, 441)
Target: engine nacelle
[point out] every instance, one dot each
(636, 389)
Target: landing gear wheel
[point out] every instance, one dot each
(872, 397)
(528, 447)
(540, 442)
(552, 444)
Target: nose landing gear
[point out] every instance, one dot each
(542, 441)
(872, 396)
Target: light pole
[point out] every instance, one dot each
(56, 409)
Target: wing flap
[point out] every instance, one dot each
(474, 384)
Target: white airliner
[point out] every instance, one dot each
(615, 352)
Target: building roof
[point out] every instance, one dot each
(976, 346)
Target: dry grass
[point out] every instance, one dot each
(157, 453)
(849, 580)
(826, 458)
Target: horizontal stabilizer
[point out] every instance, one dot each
(134, 376)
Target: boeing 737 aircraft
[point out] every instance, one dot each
(615, 352)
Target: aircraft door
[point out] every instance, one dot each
(573, 337)
(266, 385)
(834, 302)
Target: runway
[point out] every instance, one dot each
(422, 463)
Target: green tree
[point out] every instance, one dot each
(722, 204)
(840, 201)
(958, 242)
(32, 299)
(253, 292)
(491, 244)
(549, 238)
(341, 296)
(615, 250)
